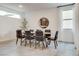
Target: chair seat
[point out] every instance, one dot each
(23, 36)
(51, 39)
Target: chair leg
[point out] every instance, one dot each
(46, 44)
(25, 42)
(39, 43)
(16, 40)
(55, 44)
(43, 45)
(21, 42)
(49, 41)
(30, 42)
(35, 43)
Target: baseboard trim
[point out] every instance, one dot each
(66, 42)
(6, 41)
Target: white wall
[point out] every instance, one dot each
(67, 35)
(8, 27)
(76, 26)
(52, 15)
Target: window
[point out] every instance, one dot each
(8, 14)
(67, 24)
(67, 19)
(2, 13)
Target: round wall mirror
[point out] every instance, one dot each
(44, 22)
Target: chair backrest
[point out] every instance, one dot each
(39, 35)
(28, 35)
(31, 30)
(49, 33)
(56, 35)
(18, 33)
(47, 30)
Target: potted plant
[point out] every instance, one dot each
(24, 25)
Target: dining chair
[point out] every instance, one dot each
(19, 36)
(47, 36)
(28, 36)
(39, 37)
(47, 33)
(55, 39)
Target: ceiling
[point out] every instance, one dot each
(31, 6)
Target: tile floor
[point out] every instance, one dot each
(11, 49)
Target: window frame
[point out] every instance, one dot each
(67, 20)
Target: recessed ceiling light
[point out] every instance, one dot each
(20, 6)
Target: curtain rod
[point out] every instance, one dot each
(65, 5)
